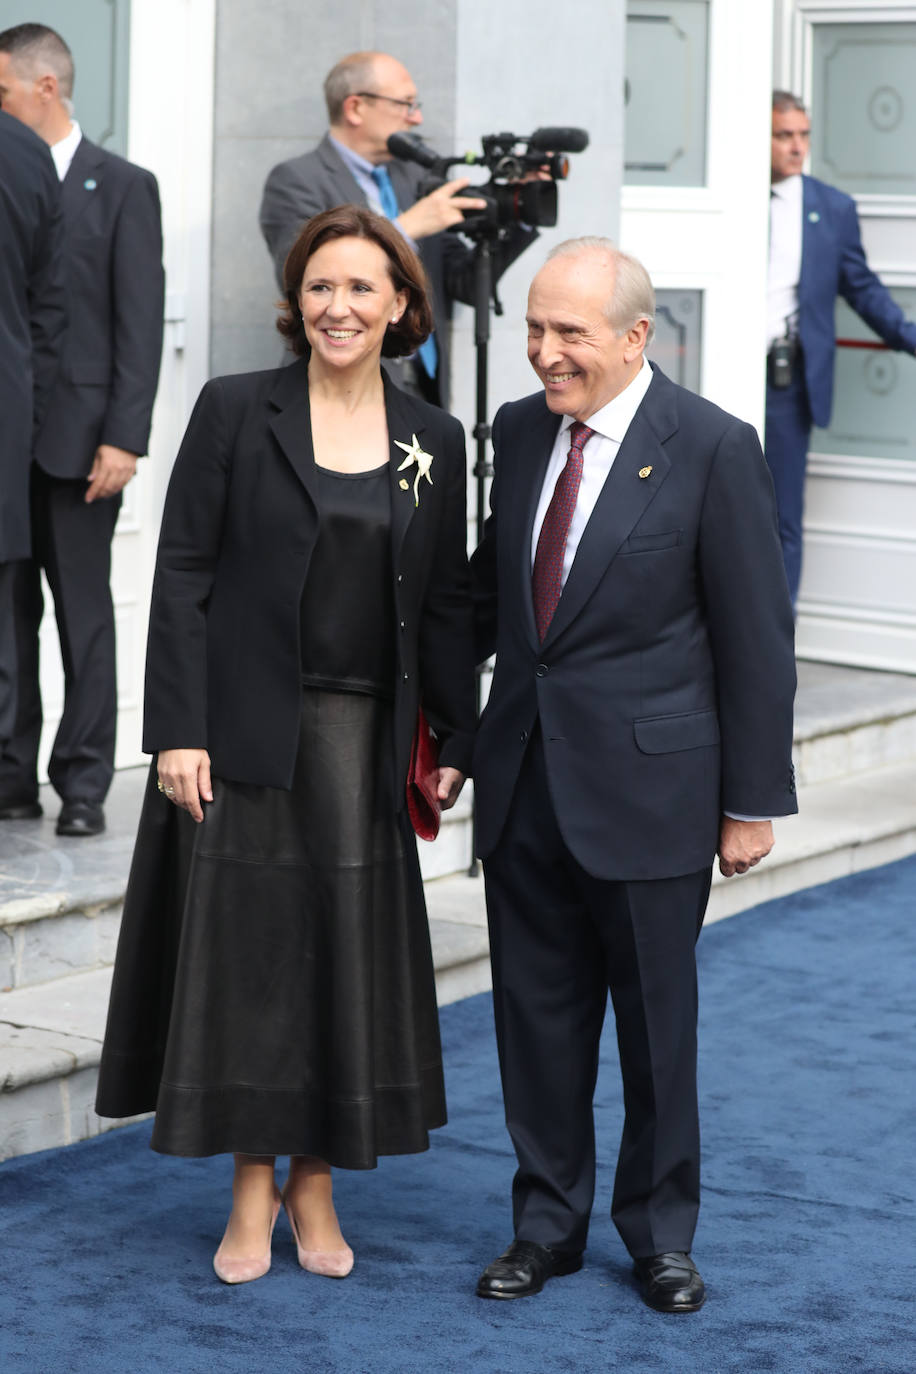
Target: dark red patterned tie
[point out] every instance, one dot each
(547, 574)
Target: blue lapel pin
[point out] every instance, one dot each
(90, 183)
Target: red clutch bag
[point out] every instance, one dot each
(423, 805)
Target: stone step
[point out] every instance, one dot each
(50, 1034)
(850, 721)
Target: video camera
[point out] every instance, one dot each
(510, 199)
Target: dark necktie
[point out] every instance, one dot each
(547, 574)
(427, 351)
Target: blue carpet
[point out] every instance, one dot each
(807, 1234)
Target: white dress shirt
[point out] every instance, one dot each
(785, 255)
(62, 151)
(610, 425)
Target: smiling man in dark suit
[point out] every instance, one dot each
(370, 96)
(640, 720)
(97, 424)
(816, 254)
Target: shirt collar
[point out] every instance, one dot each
(353, 160)
(63, 150)
(613, 420)
(789, 189)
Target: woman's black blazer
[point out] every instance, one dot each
(240, 523)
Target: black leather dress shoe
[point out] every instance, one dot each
(81, 818)
(525, 1268)
(671, 1282)
(13, 810)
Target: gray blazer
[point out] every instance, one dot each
(319, 180)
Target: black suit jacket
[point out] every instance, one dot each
(116, 295)
(32, 315)
(304, 186)
(238, 531)
(665, 683)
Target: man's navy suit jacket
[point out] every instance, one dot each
(664, 686)
(833, 263)
(115, 299)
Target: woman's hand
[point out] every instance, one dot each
(450, 784)
(184, 777)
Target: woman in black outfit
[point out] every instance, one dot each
(273, 990)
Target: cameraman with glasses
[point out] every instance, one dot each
(370, 96)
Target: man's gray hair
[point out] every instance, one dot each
(633, 296)
(35, 51)
(353, 73)
(785, 100)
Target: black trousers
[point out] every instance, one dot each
(8, 655)
(72, 543)
(560, 939)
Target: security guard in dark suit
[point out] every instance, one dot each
(97, 424)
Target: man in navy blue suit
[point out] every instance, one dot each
(816, 254)
(639, 721)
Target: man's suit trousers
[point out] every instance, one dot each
(786, 438)
(559, 940)
(72, 542)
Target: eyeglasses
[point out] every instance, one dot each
(411, 106)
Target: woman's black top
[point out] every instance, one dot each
(347, 610)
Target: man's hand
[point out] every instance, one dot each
(450, 784)
(111, 470)
(743, 844)
(184, 777)
(439, 210)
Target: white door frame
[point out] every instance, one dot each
(714, 238)
(860, 518)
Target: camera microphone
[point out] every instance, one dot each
(557, 140)
(411, 148)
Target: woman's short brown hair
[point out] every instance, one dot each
(404, 267)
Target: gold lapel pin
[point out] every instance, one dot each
(403, 484)
(644, 472)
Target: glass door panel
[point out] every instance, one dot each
(873, 395)
(665, 93)
(678, 336)
(864, 133)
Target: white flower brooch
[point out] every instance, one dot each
(424, 462)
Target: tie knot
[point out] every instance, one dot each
(579, 436)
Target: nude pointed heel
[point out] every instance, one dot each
(245, 1270)
(331, 1264)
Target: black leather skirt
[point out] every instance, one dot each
(273, 990)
